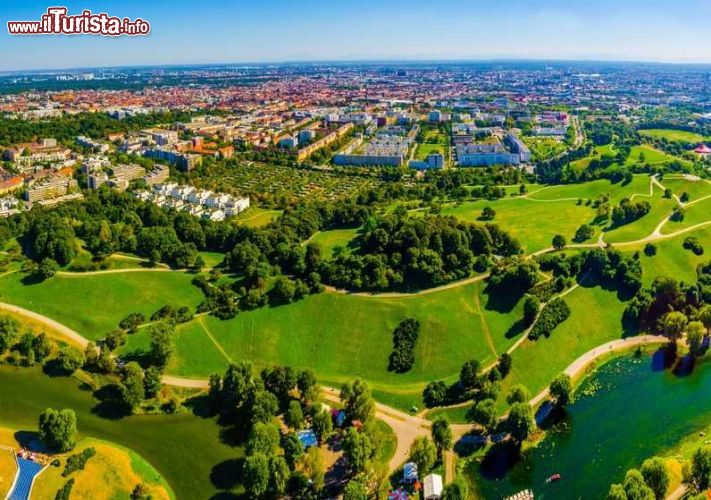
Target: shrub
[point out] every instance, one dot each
(553, 314)
(692, 243)
(404, 339)
(78, 461)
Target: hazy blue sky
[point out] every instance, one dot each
(203, 31)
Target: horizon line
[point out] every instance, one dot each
(384, 60)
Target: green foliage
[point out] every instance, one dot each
(162, 345)
(58, 429)
(423, 453)
(78, 461)
(358, 449)
(70, 360)
(656, 476)
(484, 413)
(256, 475)
(263, 438)
(519, 394)
(561, 390)
(65, 491)
(294, 416)
(553, 314)
(404, 338)
(357, 399)
(520, 421)
(698, 476)
(442, 435)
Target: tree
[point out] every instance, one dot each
(356, 397)
(358, 449)
(469, 375)
(442, 435)
(674, 325)
(698, 476)
(58, 429)
(404, 339)
(487, 213)
(455, 491)
(256, 475)
(279, 475)
(306, 383)
(356, 489)
(152, 381)
(435, 394)
(561, 389)
(133, 392)
(264, 406)
(531, 307)
(484, 413)
(70, 360)
(520, 421)
(41, 345)
(47, 268)
(9, 329)
(293, 449)
(504, 366)
(695, 332)
(519, 394)
(322, 424)
(655, 474)
(584, 232)
(705, 317)
(424, 454)
(635, 487)
(115, 339)
(650, 249)
(294, 415)
(559, 242)
(314, 468)
(161, 335)
(263, 438)
(617, 492)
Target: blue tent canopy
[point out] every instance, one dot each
(307, 438)
(409, 472)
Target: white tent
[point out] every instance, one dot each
(433, 487)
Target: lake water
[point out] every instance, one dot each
(628, 410)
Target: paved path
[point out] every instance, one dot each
(407, 428)
(54, 325)
(677, 493)
(81, 274)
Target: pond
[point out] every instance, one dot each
(628, 410)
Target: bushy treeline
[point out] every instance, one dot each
(404, 338)
(650, 307)
(552, 314)
(67, 127)
(397, 251)
(629, 211)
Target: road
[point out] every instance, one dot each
(407, 428)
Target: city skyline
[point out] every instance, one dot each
(314, 30)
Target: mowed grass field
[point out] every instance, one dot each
(672, 259)
(257, 217)
(329, 240)
(343, 336)
(94, 304)
(534, 224)
(644, 226)
(188, 451)
(112, 473)
(674, 135)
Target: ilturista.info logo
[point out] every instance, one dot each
(56, 21)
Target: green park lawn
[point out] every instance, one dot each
(94, 304)
(257, 217)
(533, 223)
(695, 189)
(698, 213)
(342, 337)
(329, 240)
(426, 149)
(643, 227)
(672, 259)
(591, 190)
(188, 451)
(598, 152)
(674, 135)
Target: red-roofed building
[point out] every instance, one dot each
(703, 150)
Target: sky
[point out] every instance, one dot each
(233, 31)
